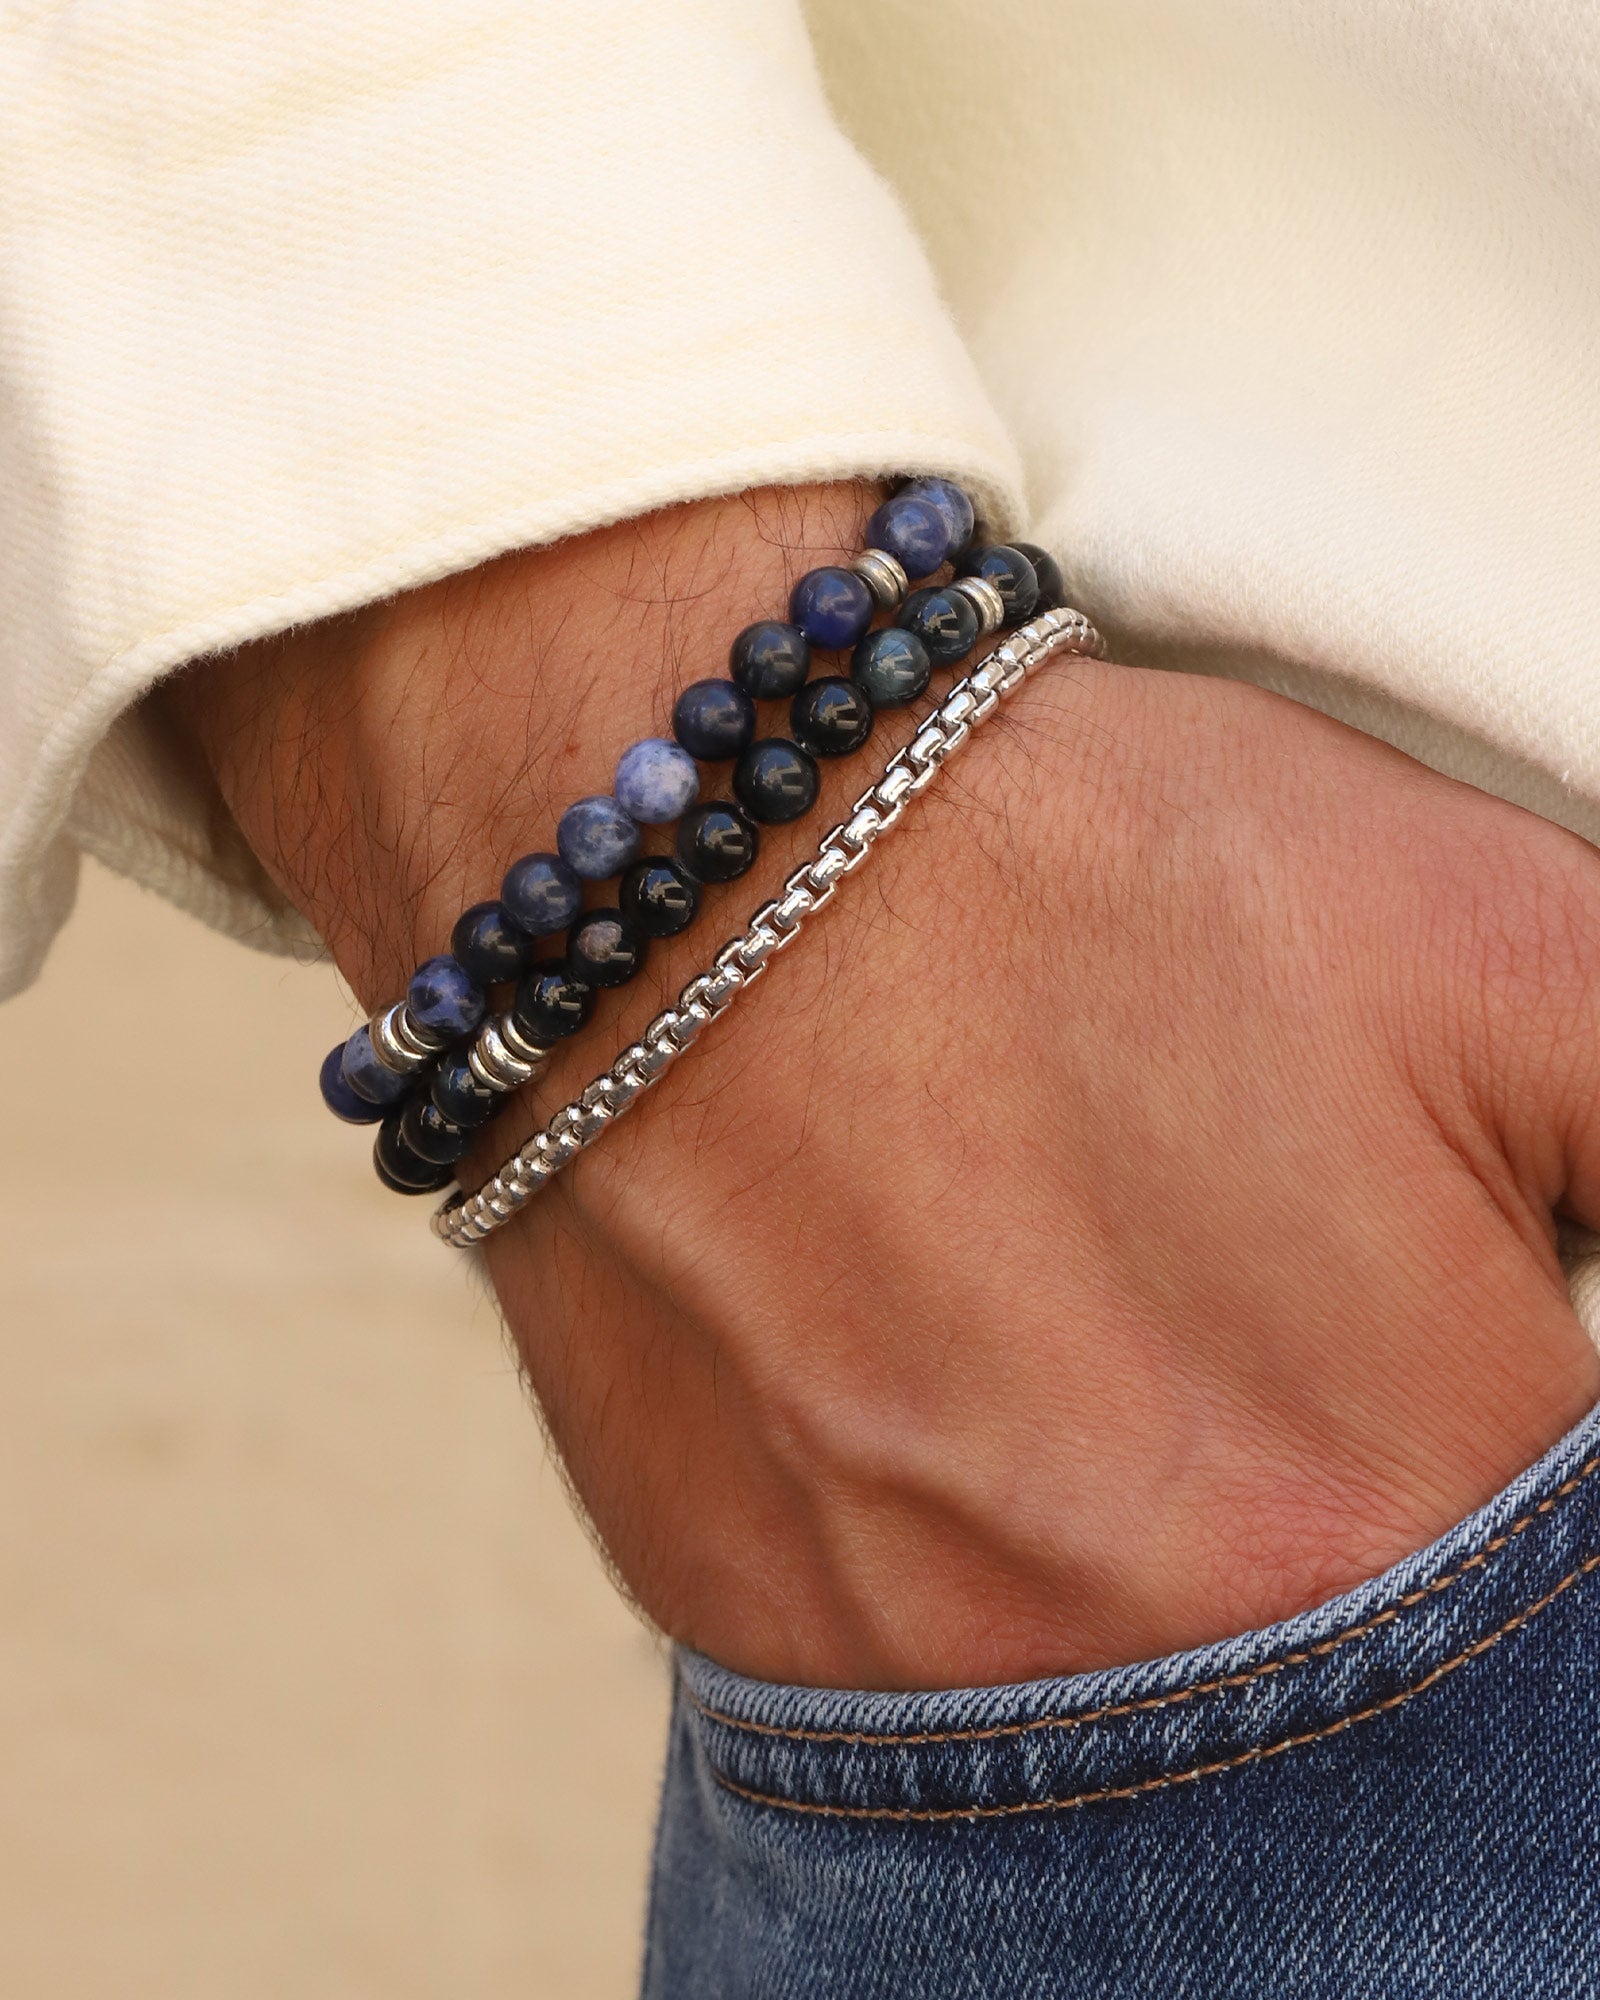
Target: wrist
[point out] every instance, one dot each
(390, 765)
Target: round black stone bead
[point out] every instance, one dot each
(605, 948)
(717, 841)
(432, 1136)
(1011, 573)
(890, 667)
(401, 1168)
(713, 720)
(489, 945)
(945, 622)
(830, 717)
(461, 1096)
(550, 1003)
(776, 781)
(1052, 584)
(770, 660)
(659, 896)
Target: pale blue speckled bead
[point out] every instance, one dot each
(656, 781)
(444, 997)
(541, 894)
(366, 1076)
(596, 837)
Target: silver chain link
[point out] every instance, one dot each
(467, 1219)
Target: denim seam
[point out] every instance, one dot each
(1145, 1703)
(1148, 1785)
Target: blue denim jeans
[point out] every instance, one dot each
(1396, 1795)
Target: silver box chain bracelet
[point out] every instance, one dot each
(466, 1219)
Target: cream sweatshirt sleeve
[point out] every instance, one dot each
(302, 304)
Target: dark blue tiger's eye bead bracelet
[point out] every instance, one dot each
(433, 1068)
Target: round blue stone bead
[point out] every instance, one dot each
(656, 781)
(340, 1099)
(713, 720)
(489, 944)
(596, 837)
(459, 1094)
(913, 531)
(542, 894)
(1011, 573)
(366, 1076)
(832, 607)
(770, 660)
(775, 781)
(944, 620)
(444, 997)
(890, 667)
(952, 503)
(403, 1169)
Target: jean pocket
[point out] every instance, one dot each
(1505, 1586)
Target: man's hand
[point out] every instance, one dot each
(1128, 1219)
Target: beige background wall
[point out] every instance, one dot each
(310, 1687)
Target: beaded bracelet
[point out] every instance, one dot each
(469, 1218)
(410, 1066)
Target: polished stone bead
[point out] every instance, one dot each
(432, 1136)
(366, 1076)
(830, 717)
(459, 1094)
(660, 896)
(488, 944)
(1011, 573)
(655, 781)
(444, 998)
(541, 894)
(605, 949)
(402, 1169)
(945, 622)
(912, 530)
(596, 837)
(832, 607)
(717, 841)
(770, 660)
(340, 1099)
(550, 1003)
(951, 502)
(776, 781)
(1052, 585)
(713, 720)
(890, 667)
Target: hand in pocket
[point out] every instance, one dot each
(1127, 1221)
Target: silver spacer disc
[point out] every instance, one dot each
(883, 576)
(990, 606)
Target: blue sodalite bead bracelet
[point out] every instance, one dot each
(432, 1068)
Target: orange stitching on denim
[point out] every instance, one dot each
(1190, 1777)
(1225, 1682)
